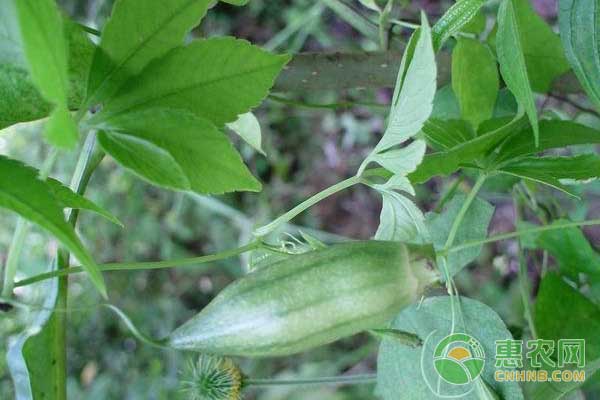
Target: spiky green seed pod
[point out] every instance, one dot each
(212, 378)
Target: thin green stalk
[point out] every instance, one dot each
(288, 216)
(448, 194)
(405, 24)
(132, 266)
(89, 159)
(511, 235)
(384, 25)
(463, 211)
(18, 240)
(523, 278)
(349, 14)
(90, 30)
(334, 380)
(293, 27)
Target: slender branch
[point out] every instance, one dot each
(132, 266)
(86, 165)
(282, 36)
(334, 380)
(463, 211)
(266, 229)
(308, 72)
(523, 278)
(347, 70)
(328, 106)
(353, 17)
(90, 30)
(405, 24)
(448, 194)
(566, 99)
(512, 235)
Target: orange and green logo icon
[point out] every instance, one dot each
(459, 359)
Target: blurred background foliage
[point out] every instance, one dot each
(307, 150)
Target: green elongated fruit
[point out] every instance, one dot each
(308, 300)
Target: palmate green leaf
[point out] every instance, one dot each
(176, 149)
(554, 171)
(22, 192)
(69, 199)
(475, 80)
(474, 227)
(562, 312)
(543, 51)
(21, 101)
(136, 33)
(45, 48)
(460, 14)
(553, 134)
(579, 30)
(400, 366)
(216, 79)
(446, 162)
(512, 61)
(248, 128)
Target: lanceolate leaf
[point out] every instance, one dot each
(579, 31)
(46, 52)
(572, 251)
(543, 51)
(205, 160)
(216, 79)
(555, 171)
(22, 192)
(446, 162)
(512, 62)
(414, 92)
(135, 34)
(561, 311)
(445, 134)
(454, 19)
(147, 160)
(474, 80)
(68, 198)
(576, 168)
(553, 134)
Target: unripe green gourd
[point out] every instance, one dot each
(307, 300)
